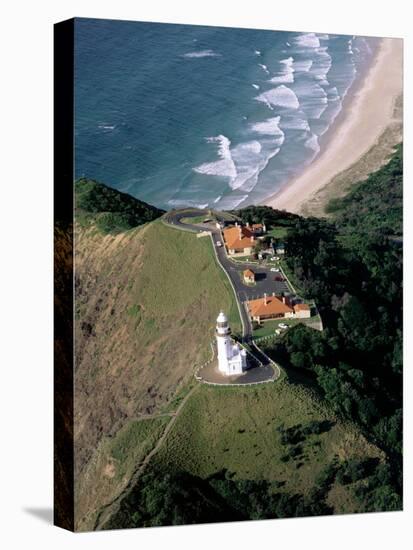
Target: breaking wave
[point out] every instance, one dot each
(286, 74)
(303, 66)
(180, 203)
(202, 53)
(281, 96)
(307, 40)
(270, 127)
(225, 166)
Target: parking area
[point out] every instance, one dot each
(265, 281)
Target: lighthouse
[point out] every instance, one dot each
(232, 359)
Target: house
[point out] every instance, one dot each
(302, 311)
(270, 307)
(239, 240)
(279, 248)
(249, 276)
(257, 228)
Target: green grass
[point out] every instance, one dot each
(134, 311)
(290, 276)
(278, 232)
(180, 273)
(116, 460)
(161, 291)
(236, 429)
(268, 328)
(197, 219)
(134, 441)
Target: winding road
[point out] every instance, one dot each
(265, 278)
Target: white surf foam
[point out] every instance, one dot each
(251, 159)
(202, 53)
(269, 127)
(281, 96)
(181, 203)
(247, 159)
(332, 94)
(223, 167)
(307, 40)
(321, 65)
(232, 203)
(295, 123)
(264, 67)
(286, 74)
(312, 143)
(302, 66)
(256, 86)
(257, 52)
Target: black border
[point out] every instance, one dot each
(63, 65)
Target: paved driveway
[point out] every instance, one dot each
(265, 277)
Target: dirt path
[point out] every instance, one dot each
(109, 509)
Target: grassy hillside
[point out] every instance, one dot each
(146, 304)
(237, 430)
(233, 443)
(110, 210)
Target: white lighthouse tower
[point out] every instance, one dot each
(232, 359)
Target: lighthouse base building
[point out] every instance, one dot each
(232, 359)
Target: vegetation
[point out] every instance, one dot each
(116, 460)
(374, 205)
(356, 364)
(327, 438)
(278, 232)
(264, 452)
(267, 215)
(196, 219)
(137, 296)
(111, 210)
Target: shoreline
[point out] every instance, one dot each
(363, 119)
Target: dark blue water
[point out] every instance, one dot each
(186, 115)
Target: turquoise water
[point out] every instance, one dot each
(181, 115)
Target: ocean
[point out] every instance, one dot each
(182, 115)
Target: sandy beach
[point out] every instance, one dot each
(365, 116)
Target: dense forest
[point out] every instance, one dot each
(266, 215)
(351, 264)
(111, 210)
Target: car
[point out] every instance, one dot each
(279, 278)
(219, 243)
(283, 326)
(274, 269)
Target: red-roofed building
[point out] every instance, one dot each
(302, 311)
(270, 307)
(257, 228)
(249, 276)
(239, 240)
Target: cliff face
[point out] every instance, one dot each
(146, 302)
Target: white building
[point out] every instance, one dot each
(232, 359)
